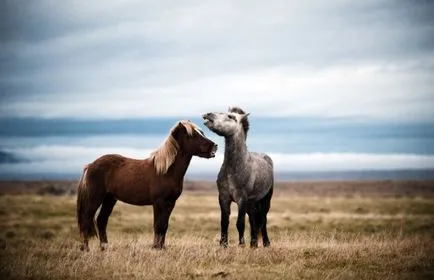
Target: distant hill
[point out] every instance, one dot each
(425, 174)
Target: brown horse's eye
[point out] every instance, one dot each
(198, 132)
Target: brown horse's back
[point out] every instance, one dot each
(129, 180)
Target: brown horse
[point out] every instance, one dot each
(156, 181)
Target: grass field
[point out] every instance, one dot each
(312, 237)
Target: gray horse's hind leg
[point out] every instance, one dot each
(265, 239)
(254, 219)
(225, 209)
(264, 212)
(102, 220)
(241, 221)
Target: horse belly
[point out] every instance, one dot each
(139, 201)
(135, 196)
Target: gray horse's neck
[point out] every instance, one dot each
(236, 153)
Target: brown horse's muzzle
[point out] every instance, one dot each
(213, 150)
(209, 149)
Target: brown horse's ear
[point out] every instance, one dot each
(179, 129)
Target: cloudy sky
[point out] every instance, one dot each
(331, 85)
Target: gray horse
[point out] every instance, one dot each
(245, 178)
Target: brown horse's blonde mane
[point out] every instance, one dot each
(165, 155)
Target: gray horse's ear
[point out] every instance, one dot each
(229, 108)
(245, 116)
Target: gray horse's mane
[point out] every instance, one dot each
(245, 121)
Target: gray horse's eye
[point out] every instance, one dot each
(232, 117)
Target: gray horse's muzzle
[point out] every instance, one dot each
(208, 118)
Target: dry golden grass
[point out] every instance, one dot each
(311, 238)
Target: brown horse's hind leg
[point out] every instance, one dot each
(162, 211)
(102, 220)
(89, 226)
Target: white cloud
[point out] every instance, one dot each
(351, 161)
(71, 159)
(352, 90)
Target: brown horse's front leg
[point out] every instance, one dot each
(162, 211)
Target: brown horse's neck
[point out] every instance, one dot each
(180, 165)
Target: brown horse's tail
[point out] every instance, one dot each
(86, 224)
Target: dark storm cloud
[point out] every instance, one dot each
(50, 49)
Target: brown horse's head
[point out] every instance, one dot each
(192, 140)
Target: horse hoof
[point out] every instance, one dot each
(158, 247)
(267, 244)
(223, 243)
(84, 248)
(253, 245)
(242, 245)
(103, 246)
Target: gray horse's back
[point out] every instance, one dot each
(264, 179)
(265, 157)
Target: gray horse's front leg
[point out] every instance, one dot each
(241, 220)
(225, 209)
(253, 211)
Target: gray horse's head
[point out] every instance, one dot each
(227, 124)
